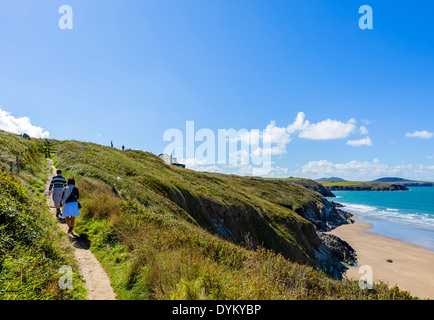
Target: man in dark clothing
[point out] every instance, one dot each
(56, 188)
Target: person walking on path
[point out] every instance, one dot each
(56, 188)
(70, 204)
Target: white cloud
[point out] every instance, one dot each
(20, 125)
(273, 134)
(363, 130)
(262, 152)
(365, 170)
(420, 134)
(193, 163)
(324, 130)
(299, 123)
(269, 172)
(328, 130)
(361, 142)
(209, 169)
(275, 139)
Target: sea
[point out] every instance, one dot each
(405, 215)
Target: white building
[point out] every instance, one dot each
(171, 160)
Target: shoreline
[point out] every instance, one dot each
(412, 266)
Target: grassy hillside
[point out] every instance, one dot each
(331, 179)
(313, 185)
(362, 185)
(348, 183)
(164, 232)
(31, 159)
(406, 182)
(31, 246)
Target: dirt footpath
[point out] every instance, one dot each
(96, 279)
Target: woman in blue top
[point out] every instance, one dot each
(70, 205)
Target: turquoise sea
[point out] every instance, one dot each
(405, 215)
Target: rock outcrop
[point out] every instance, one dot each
(371, 187)
(328, 217)
(332, 252)
(299, 241)
(315, 186)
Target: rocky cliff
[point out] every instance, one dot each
(303, 242)
(277, 214)
(369, 187)
(330, 251)
(313, 185)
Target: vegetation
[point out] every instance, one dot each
(348, 183)
(31, 159)
(161, 232)
(164, 232)
(31, 246)
(406, 182)
(313, 185)
(362, 185)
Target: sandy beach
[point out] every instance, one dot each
(412, 267)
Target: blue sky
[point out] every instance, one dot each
(130, 70)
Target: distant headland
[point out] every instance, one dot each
(381, 184)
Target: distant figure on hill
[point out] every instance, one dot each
(56, 188)
(111, 143)
(123, 147)
(70, 204)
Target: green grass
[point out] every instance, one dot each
(151, 225)
(359, 184)
(311, 184)
(32, 248)
(348, 183)
(258, 207)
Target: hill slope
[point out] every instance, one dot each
(273, 213)
(31, 246)
(331, 179)
(406, 182)
(166, 233)
(311, 184)
(363, 186)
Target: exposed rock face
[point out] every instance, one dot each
(294, 238)
(332, 252)
(418, 184)
(374, 187)
(315, 186)
(328, 217)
